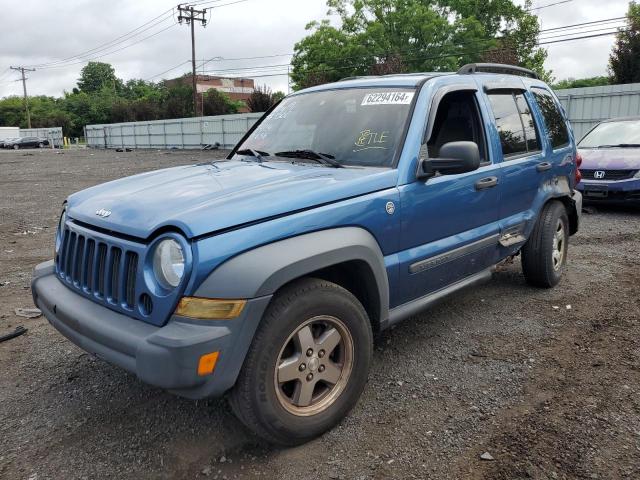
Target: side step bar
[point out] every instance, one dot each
(406, 310)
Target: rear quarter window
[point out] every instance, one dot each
(556, 126)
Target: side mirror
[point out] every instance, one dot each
(454, 157)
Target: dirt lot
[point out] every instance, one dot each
(546, 382)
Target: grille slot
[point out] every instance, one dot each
(104, 269)
(114, 277)
(131, 270)
(87, 277)
(78, 260)
(100, 268)
(589, 174)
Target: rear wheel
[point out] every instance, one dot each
(307, 365)
(16, 147)
(544, 255)
(41, 145)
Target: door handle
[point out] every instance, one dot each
(488, 182)
(544, 166)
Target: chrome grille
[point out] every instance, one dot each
(590, 174)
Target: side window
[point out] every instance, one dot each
(457, 119)
(556, 126)
(515, 123)
(530, 132)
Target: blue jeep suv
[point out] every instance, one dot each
(347, 208)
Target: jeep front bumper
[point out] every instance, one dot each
(165, 357)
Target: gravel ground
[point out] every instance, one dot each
(544, 381)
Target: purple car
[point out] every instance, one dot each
(611, 162)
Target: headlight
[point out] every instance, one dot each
(60, 229)
(168, 263)
(637, 175)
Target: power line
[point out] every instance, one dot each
(111, 52)
(547, 5)
(608, 20)
(168, 70)
(116, 41)
(433, 57)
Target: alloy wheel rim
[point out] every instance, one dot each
(558, 252)
(314, 365)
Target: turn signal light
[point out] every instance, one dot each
(207, 363)
(209, 308)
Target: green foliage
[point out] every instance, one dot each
(215, 102)
(396, 36)
(101, 97)
(581, 82)
(96, 76)
(624, 66)
(262, 99)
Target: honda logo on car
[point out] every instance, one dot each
(103, 213)
(599, 174)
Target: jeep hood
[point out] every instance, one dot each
(205, 198)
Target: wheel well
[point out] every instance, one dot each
(570, 207)
(358, 278)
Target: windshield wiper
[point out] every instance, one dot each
(257, 154)
(323, 158)
(621, 145)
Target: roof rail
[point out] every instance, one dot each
(497, 68)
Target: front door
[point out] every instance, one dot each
(450, 222)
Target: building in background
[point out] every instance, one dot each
(235, 88)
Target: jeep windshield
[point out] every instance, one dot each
(351, 126)
(620, 134)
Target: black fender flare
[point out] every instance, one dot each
(263, 270)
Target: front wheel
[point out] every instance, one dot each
(307, 365)
(16, 147)
(41, 145)
(544, 256)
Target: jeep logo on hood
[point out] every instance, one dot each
(103, 213)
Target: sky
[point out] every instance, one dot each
(45, 31)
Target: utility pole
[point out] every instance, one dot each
(191, 15)
(24, 89)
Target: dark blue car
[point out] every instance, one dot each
(347, 208)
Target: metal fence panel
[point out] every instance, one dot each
(227, 130)
(588, 106)
(53, 134)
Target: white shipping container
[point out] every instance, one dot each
(9, 132)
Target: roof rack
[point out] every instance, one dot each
(497, 68)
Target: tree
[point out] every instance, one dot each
(262, 99)
(624, 61)
(215, 102)
(95, 76)
(396, 36)
(581, 82)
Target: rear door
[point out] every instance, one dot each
(523, 165)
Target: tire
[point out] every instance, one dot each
(274, 407)
(544, 256)
(41, 145)
(16, 147)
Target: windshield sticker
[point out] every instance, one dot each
(388, 98)
(368, 140)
